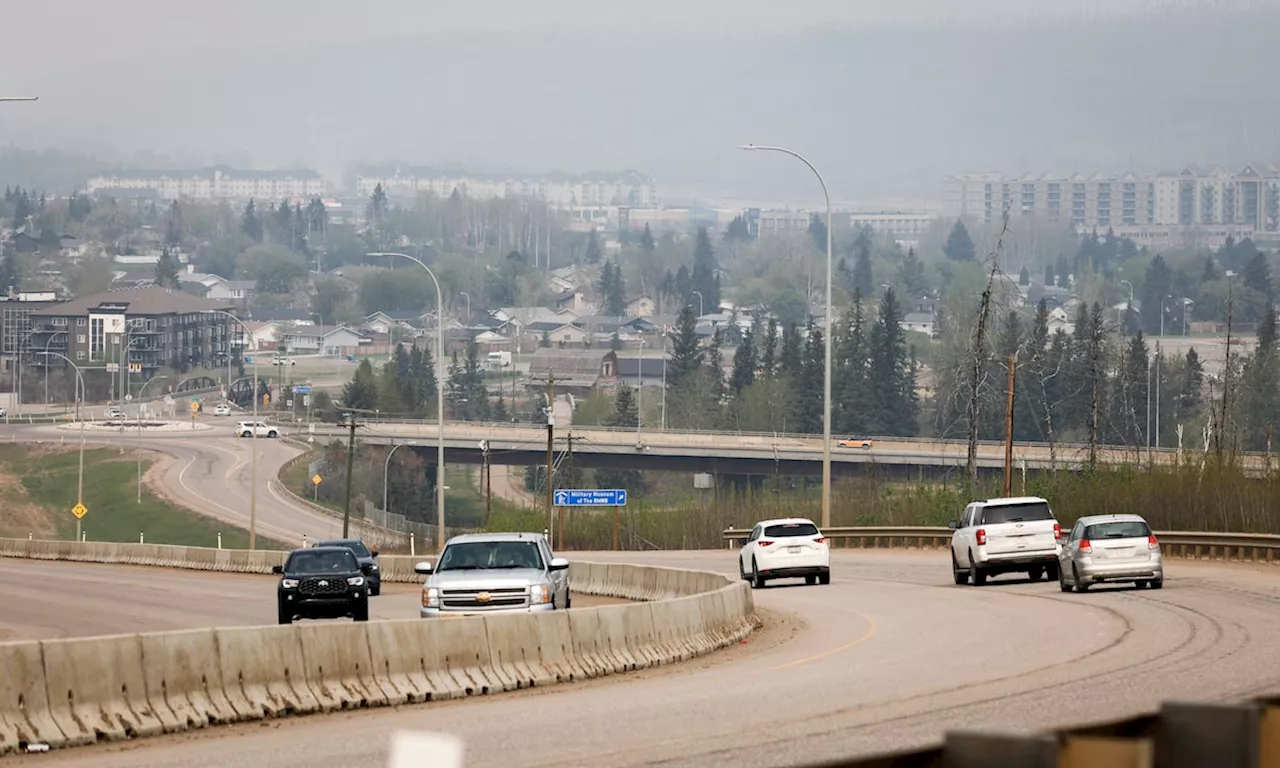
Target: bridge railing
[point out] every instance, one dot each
(1195, 545)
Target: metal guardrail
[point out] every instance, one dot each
(1196, 545)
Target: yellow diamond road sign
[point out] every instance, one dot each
(316, 478)
(79, 510)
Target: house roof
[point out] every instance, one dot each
(917, 317)
(570, 367)
(631, 367)
(280, 315)
(541, 326)
(151, 300)
(323, 331)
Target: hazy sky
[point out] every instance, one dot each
(885, 95)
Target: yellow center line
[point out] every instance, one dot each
(871, 630)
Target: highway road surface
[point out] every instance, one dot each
(890, 655)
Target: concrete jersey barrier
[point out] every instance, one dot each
(70, 692)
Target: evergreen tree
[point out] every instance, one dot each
(1129, 394)
(173, 225)
(792, 352)
(911, 274)
(378, 206)
(705, 275)
(818, 231)
(592, 256)
(362, 391)
(613, 289)
(475, 393)
(544, 341)
(1156, 288)
(1257, 275)
(422, 374)
(862, 279)
(744, 363)
(250, 224)
(890, 372)
(737, 231)
(1063, 271)
(284, 225)
(959, 245)
(646, 239)
(850, 390)
(10, 276)
(715, 367)
(625, 415)
(687, 354)
(1048, 275)
(21, 209)
(498, 412)
(1210, 273)
(808, 403)
(1260, 398)
(455, 391)
(1024, 277)
(166, 275)
(615, 342)
(769, 349)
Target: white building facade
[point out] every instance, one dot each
(213, 183)
(624, 188)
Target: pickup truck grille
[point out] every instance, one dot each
(498, 599)
(320, 587)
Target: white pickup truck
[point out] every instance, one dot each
(1010, 535)
(261, 429)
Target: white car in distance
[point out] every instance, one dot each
(1006, 535)
(222, 409)
(786, 548)
(261, 429)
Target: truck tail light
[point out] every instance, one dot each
(981, 536)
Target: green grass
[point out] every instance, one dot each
(110, 493)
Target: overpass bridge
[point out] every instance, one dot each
(738, 453)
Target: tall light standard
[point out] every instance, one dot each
(80, 399)
(702, 310)
(141, 392)
(639, 391)
(253, 433)
(46, 364)
(386, 470)
(830, 325)
(467, 296)
(1126, 282)
(439, 394)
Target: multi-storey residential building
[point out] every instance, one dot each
(213, 183)
(149, 328)
(1168, 205)
(895, 224)
(625, 188)
(774, 223)
(15, 322)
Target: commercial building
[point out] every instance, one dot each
(213, 183)
(1208, 203)
(622, 188)
(149, 328)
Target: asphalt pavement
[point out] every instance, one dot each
(889, 656)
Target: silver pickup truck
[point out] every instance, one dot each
(491, 572)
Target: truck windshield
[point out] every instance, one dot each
(476, 555)
(325, 561)
(1016, 513)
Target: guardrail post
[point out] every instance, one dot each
(1208, 736)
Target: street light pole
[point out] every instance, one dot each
(80, 398)
(253, 436)
(46, 365)
(439, 395)
(468, 298)
(702, 309)
(830, 325)
(639, 391)
(386, 469)
(141, 392)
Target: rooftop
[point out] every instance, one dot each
(150, 300)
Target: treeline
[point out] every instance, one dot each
(775, 383)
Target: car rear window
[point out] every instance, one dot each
(1016, 513)
(791, 529)
(1128, 529)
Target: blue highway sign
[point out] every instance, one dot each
(616, 497)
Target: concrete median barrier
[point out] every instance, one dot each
(464, 659)
(407, 664)
(263, 672)
(531, 650)
(239, 562)
(589, 647)
(201, 558)
(339, 666)
(182, 671)
(24, 700)
(97, 689)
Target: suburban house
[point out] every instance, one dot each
(565, 279)
(641, 371)
(383, 322)
(519, 317)
(1059, 320)
(324, 339)
(261, 336)
(561, 334)
(641, 306)
(574, 300)
(920, 322)
(215, 286)
(283, 316)
(579, 372)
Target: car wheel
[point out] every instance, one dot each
(1075, 579)
(273, 433)
(362, 612)
(1062, 582)
(757, 580)
(742, 572)
(284, 616)
(977, 576)
(1141, 584)
(824, 578)
(568, 599)
(1035, 574)
(375, 590)
(1052, 571)
(960, 575)
(245, 434)
(1157, 583)
(811, 580)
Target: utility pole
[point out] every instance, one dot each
(351, 455)
(1008, 427)
(569, 459)
(551, 428)
(486, 469)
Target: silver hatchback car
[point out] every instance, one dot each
(1102, 548)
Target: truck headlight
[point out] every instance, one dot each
(288, 583)
(356, 581)
(430, 597)
(539, 594)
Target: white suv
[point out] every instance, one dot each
(1011, 535)
(261, 429)
(785, 549)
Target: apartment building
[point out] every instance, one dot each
(15, 321)
(218, 182)
(149, 328)
(895, 224)
(777, 223)
(623, 188)
(1212, 199)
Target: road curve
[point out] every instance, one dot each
(888, 656)
(210, 472)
